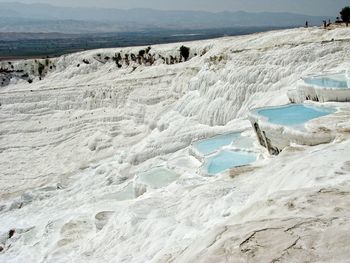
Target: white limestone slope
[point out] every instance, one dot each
(71, 144)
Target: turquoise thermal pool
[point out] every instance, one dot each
(294, 114)
(214, 144)
(336, 81)
(228, 159)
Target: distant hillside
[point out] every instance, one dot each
(19, 17)
(23, 45)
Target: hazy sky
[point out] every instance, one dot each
(312, 7)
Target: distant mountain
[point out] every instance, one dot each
(19, 17)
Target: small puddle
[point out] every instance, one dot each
(157, 177)
(126, 193)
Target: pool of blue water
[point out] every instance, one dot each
(294, 114)
(228, 159)
(332, 81)
(213, 144)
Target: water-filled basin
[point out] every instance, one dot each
(336, 81)
(293, 114)
(125, 194)
(228, 159)
(214, 144)
(157, 177)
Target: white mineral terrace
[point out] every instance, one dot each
(96, 162)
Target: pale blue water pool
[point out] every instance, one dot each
(228, 159)
(213, 144)
(294, 114)
(337, 81)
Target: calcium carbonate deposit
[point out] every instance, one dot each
(83, 136)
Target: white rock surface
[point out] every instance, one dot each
(71, 143)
